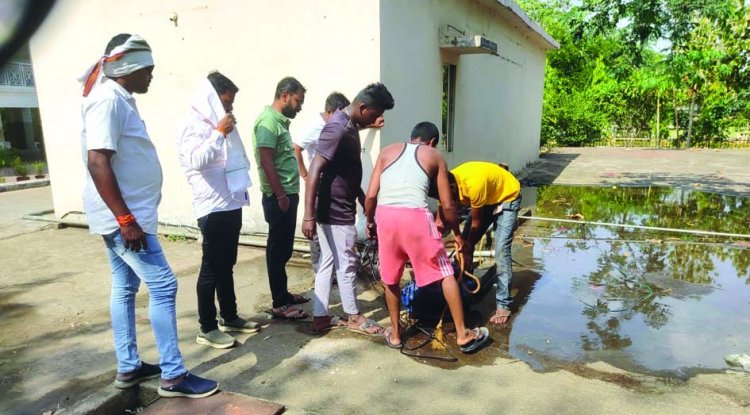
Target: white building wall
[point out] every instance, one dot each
(326, 44)
(498, 98)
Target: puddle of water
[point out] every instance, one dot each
(651, 206)
(646, 301)
(639, 300)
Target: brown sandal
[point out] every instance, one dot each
(295, 299)
(324, 323)
(365, 326)
(287, 313)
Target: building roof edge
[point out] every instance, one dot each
(520, 14)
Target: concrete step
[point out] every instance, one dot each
(218, 404)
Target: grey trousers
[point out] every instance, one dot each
(336, 252)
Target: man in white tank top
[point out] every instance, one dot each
(397, 214)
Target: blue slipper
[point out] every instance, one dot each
(482, 339)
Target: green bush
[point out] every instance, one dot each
(19, 167)
(7, 156)
(39, 167)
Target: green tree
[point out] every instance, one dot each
(607, 78)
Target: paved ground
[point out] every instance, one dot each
(15, 204)
(723, 171)
(56, 347)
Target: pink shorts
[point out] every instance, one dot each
(410, 233)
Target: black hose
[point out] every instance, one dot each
(430, 336)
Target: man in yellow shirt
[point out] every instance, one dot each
(493, 195)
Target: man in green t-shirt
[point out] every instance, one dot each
(279, 182)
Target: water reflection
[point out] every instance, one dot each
(637, 299)
(655, 207)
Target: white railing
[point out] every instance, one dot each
(17, 74)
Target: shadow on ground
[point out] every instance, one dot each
(546, 169)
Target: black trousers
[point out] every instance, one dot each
(221, 233)
(281, 227)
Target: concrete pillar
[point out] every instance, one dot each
(2, 132)
(28, 128)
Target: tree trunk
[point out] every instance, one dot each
(690, 120)
(658, 131)
(676, 118)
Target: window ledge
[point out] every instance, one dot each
(459, 43)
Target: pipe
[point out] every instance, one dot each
(652, 228)
(637, 241)
(299, 245)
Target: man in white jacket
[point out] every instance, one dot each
(213, 158)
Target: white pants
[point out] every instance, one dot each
(315, 253)
(336, 252)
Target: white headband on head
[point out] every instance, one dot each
(133, 55)
(128, 63)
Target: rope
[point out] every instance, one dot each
(437, 336)
(462, 270)
(437, 341)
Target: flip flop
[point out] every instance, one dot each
(363, 328)
(482, 339)
(287, 313)
(296, 299)
(500, 313)
(332, 323)
(387, 334)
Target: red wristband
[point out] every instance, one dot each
(125, 220)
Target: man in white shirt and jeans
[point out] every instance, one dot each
(307, 142)
(213, 158)
(121, 196)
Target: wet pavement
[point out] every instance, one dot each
(657, 303)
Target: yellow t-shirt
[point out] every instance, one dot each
(482, 183)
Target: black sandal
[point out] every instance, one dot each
(482, 339)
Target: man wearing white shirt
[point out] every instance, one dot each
(121, 196)
(213, 158)
(307, 142)
(309, 139)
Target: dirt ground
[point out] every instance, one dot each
(56, 344)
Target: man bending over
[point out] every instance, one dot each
(494, 195)
(406, 229)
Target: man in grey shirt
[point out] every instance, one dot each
(335, 178)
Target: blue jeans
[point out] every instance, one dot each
(128, 269)
(505, 223)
